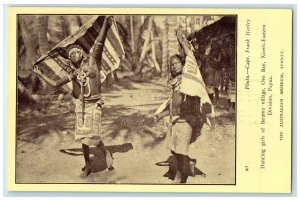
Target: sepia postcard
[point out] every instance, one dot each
(149, 100)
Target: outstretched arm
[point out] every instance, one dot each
(161, 115)
(176, 101)
(183, 42)
(49, 80)
(99, 44)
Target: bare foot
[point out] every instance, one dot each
(86, 171)
(109, 161)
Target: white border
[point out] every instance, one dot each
(179, 3)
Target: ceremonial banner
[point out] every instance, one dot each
(191, 76)
(55, 63)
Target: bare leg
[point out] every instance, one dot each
(172, 167)
(86, 154)
(108, 156)
(185, 169)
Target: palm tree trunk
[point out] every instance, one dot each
(27, 26)
(145, 45)
(42, 29)
(24, 96)
(165, 53)
(57, 29)
(147, 40)
(173, 44)
(132, 34)
(73, 22)
(157, 67)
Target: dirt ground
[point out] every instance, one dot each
(47, 153)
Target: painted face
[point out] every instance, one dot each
(176, 66)
(76, 56)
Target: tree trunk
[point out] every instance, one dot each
(73, 22)
(145, 45)
(173, 44)
(42, 29)
(24, 96)
(85, 18)
(132, 34)
(157, 67)
(57, 29)
(165, 53)
(146, 42)
(27, 26)
(136, 29)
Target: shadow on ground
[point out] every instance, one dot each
(98, 160)
(172, 164)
